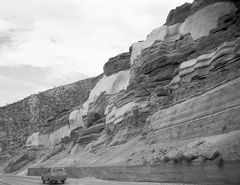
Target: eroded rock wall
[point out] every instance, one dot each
(93, 109)
(197, 25)
(181, 89)
(181, 83)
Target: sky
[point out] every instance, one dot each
(46, 43)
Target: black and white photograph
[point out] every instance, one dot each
(120, 92)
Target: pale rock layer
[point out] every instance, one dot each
(116, 114)
(54, 138)
(75, 117)
(108, 84)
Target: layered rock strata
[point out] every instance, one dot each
(118, 63)
(180, 89)
(197, 25)
(183, 84)
(179, 14)
(180, 84)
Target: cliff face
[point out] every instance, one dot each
(177, 93)
(176, 88)
(184, 82)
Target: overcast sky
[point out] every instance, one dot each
(45, 43)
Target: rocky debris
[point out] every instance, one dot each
(188, 151)
(179, 14)
(118, 63)
(185, 158)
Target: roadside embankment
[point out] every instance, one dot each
(208, 172)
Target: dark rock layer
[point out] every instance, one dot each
(178, 14)
(118, 63)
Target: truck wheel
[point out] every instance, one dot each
(43, 181)
(63, 181)
(49, 181)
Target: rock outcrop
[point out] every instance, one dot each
(118, 63)
(177, 91)
(174, 79)
(181, 88)
(179, 14)
(198, 25)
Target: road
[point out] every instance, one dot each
(24, 180)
